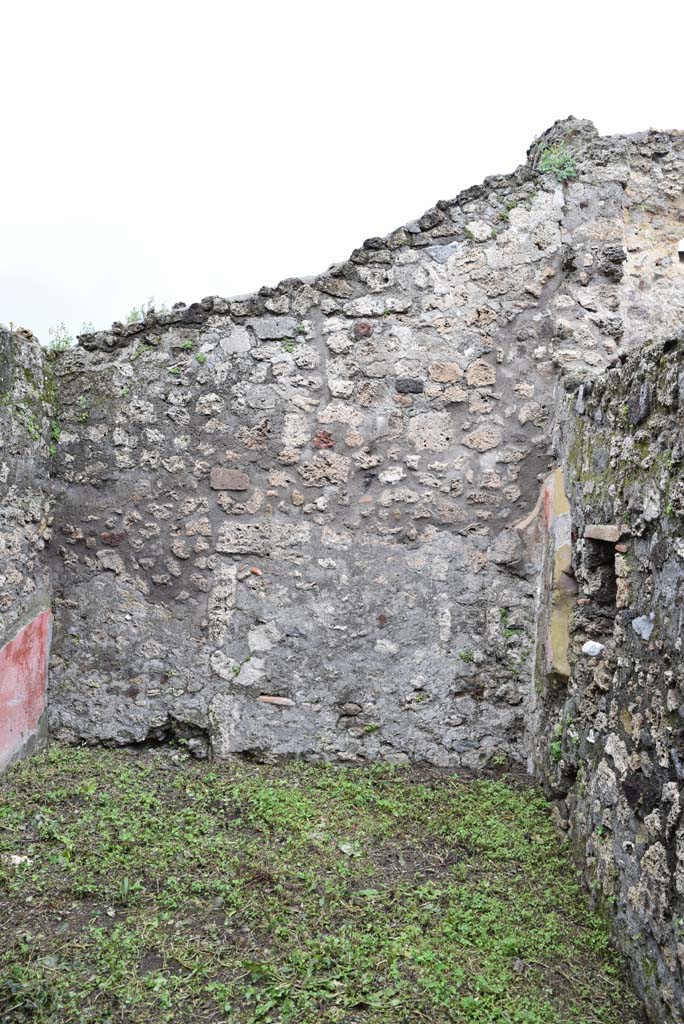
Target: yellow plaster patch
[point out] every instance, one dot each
(562, 562)
(562, 603)
(561, 504)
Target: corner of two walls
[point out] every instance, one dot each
(25, 516)
(264, 503)
(287, 521)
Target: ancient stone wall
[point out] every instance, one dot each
(610, 743)
(287, 522)
(26, 398)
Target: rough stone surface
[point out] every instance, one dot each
(26, 402)
(228, 480)
(610, 744)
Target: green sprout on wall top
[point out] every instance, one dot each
(557, 160)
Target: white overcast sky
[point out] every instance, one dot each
(178, 150)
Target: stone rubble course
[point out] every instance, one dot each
(309, 521)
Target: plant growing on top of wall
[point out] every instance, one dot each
(144, 311)
(557, 160)
(60, 339)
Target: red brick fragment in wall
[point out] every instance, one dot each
(323, 439)
(23, 668)
(112, 539)
(362, 329)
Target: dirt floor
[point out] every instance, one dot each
(142, 886)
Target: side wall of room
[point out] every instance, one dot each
(25, 517)
(609, 734)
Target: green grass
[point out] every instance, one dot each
(162, 891)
